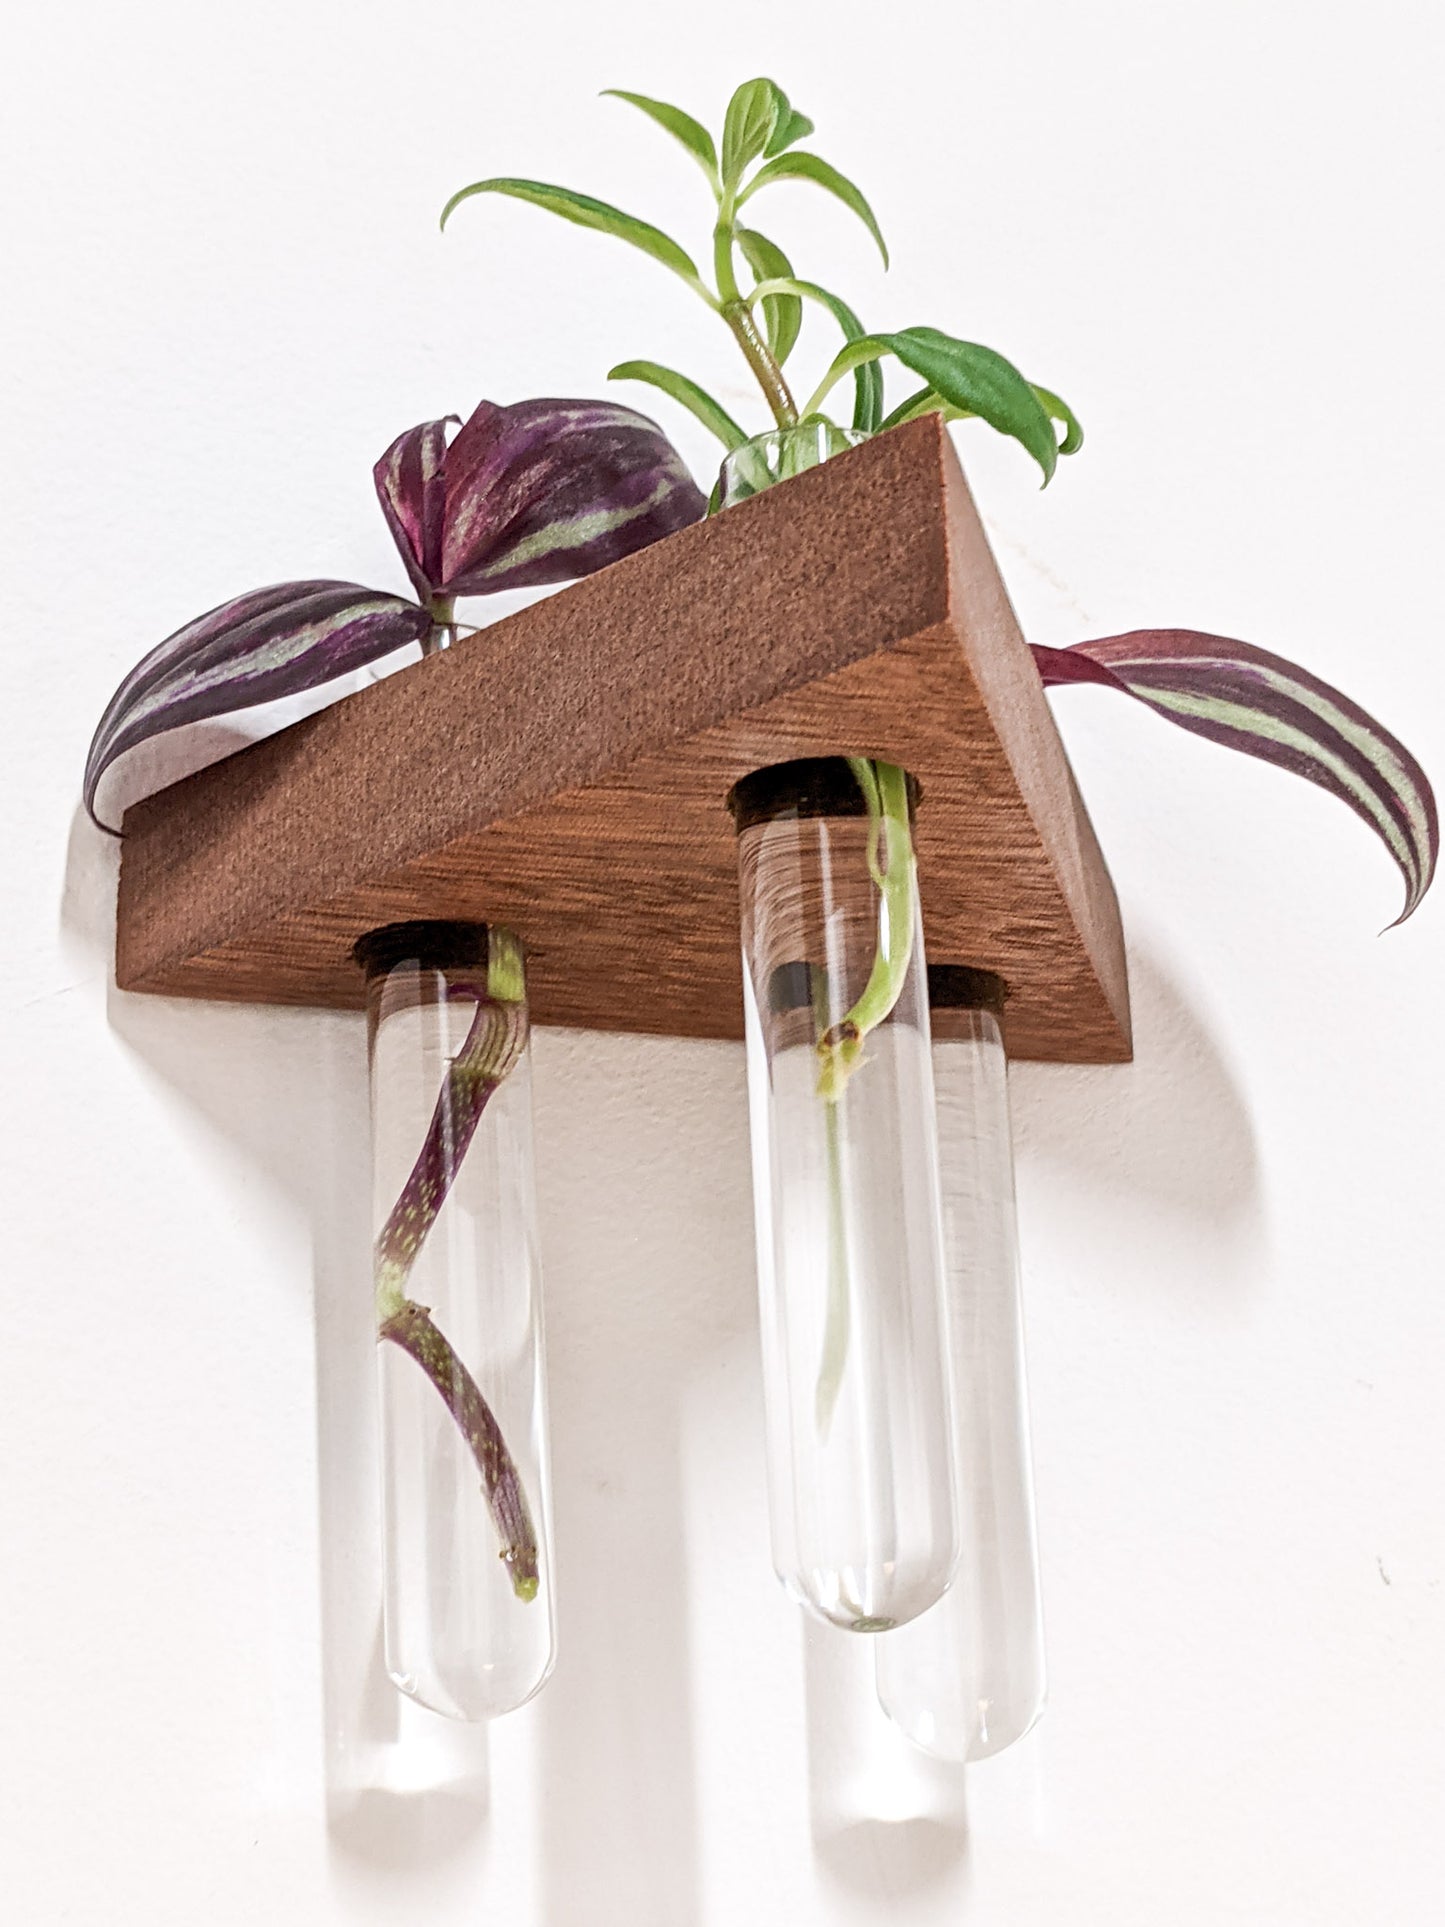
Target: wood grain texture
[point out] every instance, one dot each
(564, 772)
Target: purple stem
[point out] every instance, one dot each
(412, 1329)
(494, 1043)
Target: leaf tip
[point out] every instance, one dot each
(107, 829)
(462, 194)
(1415, 893)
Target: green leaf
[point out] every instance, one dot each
(868, 377)
(972, 379)
(927, 401)
(588, 213)
(782, 313)
(693, 135)
(923, 401)
(713, 416)
(752, 113)
(789, 125)
(1061, 412)
(811, 167)
(983, 382)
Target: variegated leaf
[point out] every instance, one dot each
(684, 389)
(411, 486)
(584, 211)
(545, 491)
(1265, 706)
(274, 642)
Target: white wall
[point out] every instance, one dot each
(1216, 229)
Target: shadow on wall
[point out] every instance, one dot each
(647, 1241)
(886, 1819)
(288, 1089)
(1166, 1138)
(643, 1175)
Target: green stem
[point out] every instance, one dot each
(760, 359)
(854, 355)
(443, 625)
(892, 865)
(411, 1328)
(722, 253)
(838, 1315)
(494, 1044)
(739, 317)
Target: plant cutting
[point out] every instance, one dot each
(495, 1039)
(758, 150)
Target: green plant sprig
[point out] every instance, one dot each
(892, 865)
(758, 150)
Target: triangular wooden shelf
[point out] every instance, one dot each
(564, 772)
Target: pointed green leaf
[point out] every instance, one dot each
(782, 313)
(971, 379)
(1062, 413)
(927, 401)
(713, 416)
(788, 126)
(811, 167)
(752, 113)
(693, 135)
(588, 213)
(983, 382)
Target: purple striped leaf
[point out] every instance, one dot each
(273, 642)
(1266, 706)
(546, 491)
(411, 486)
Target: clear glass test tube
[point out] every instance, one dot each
(468, 1607)
(779, 456)
(850, 1254)
(967, 1678)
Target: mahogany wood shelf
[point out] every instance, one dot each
(564, 772)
